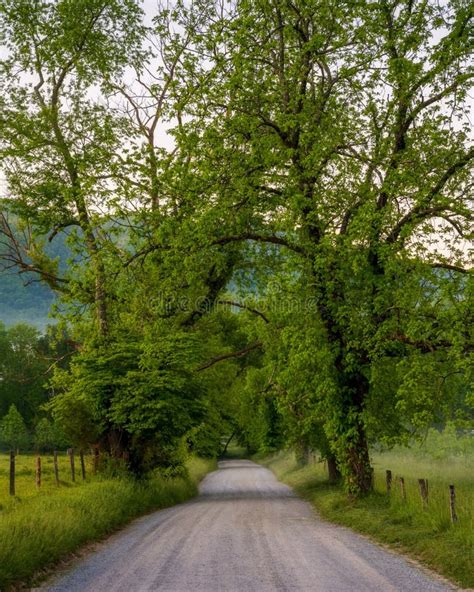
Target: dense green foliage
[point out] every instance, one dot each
(23, 360)
(265, 228)
(26, 360)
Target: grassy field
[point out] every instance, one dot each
(426, 535)
(25, 476)
(38, 528)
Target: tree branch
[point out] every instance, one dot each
(237, 354)
(417, 213)
(440, 265)
(421, 211)
(422, 345)
(276, 240)
(14, 257)
(244, 306)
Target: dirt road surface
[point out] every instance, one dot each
(246, 532)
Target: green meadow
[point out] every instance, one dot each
(425, 534)
(40, 527)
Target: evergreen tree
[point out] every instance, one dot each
(13, 432)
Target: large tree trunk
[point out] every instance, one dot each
(100, 293)
(334, 474)
(354, 457)
(101, 299)
(359, 476)
(345, 429)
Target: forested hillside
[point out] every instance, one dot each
(258, 198)
(23, 296)
(24, 303)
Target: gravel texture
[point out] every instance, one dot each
(245, 532)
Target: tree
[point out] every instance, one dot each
(342, 138)
(22, 368)
(81, 156)
(56, 141)
(136, 396)
(13, 432)
(27, 358)
(324, 143)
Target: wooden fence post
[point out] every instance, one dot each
(38, 471)
(56, 467)
(12, 472)
(70, 451)
(452, 504)
(423, 484)
(83, 465)
(388, 480)
(402, 488)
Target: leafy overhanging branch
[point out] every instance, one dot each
(422, 210)
(236, 354)
(247, 236)
(245, 307)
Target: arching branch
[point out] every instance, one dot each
(244, 306)
(237, 354)
(251, 236)
(422, 211)
(247, 236)
(14, 257)
(457, 268)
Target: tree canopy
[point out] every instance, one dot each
(268, 206)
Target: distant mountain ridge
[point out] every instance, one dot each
(23, 298)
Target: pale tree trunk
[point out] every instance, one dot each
(100, 292)
(81, 207)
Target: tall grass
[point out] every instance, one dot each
(427, 535)
(458, 471)
(25, 476)
(38, 529)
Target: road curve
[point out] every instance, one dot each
(246, 532)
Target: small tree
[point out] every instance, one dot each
(13, 432)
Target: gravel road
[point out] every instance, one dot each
(245, 532)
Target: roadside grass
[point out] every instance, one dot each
(37, 529)
(426, 535)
